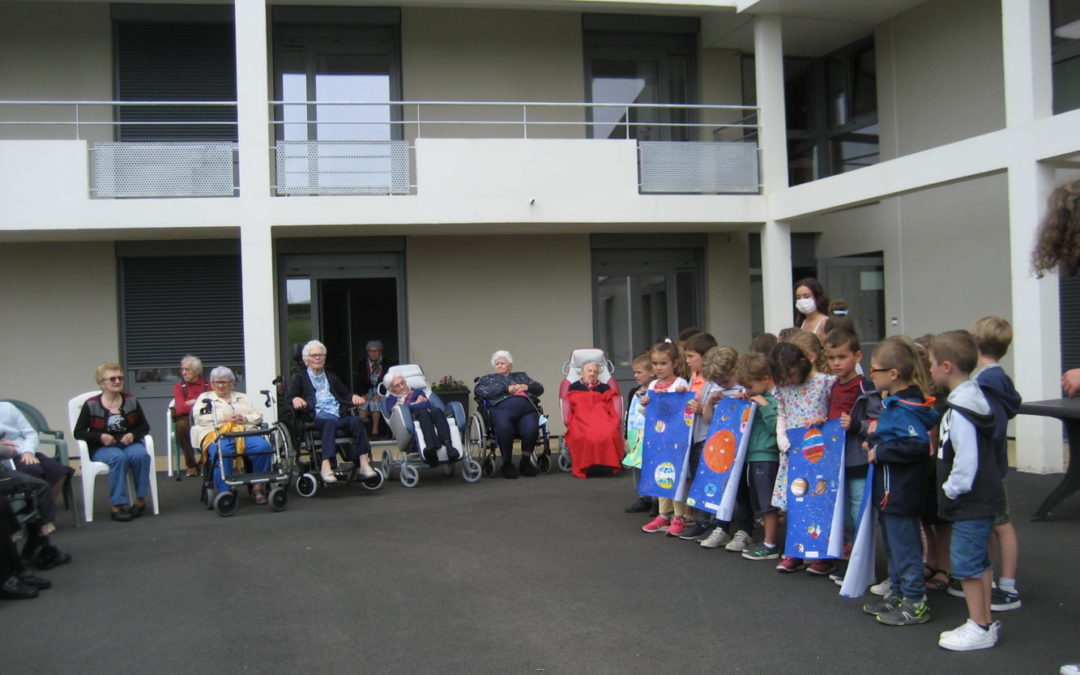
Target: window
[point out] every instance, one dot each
(1065, 43)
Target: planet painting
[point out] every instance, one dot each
(819, 487)
(719, 452)
(665, 475)
(813, 446)
(660, 426)
(745, 422)
(799, 487)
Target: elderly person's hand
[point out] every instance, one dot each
(28, 458)
(358, 400)
(299, 403)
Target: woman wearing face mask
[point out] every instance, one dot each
(811, 301)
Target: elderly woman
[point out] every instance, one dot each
(17, 434)
(229, 411)
(593, 423)
(189, 388)
(371, 373)
(113, 426)
(511, 399)
(432, 420)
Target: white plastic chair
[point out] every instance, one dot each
(90, 468)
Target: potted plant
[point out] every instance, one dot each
(450, 389)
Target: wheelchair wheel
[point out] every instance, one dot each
(207, 496)
(543, 462)
(470, 470)
(409, 475)
(487, 466)
(387, 463)
(226, 503)
(474, 437)
(565, 463)
(306, 485)
(279, 499)
(376, 481)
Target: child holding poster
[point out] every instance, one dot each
(802, 397)
(634, 426)
(898, 447)
(693, 524)
(666, 360)
(762, 453)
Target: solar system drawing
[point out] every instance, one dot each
(815, 474)
(722, 458)
(667, 440)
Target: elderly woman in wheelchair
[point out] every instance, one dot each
(432, 420)
(512, 402)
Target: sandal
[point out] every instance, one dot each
(260, 497)
(932, 580)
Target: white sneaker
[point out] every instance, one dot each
(882, 588)
(740, 542)
(716, 539)
(970, 636)
(1070, 669)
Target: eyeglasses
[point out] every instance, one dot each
(316, 356)
(218, 383)
(114, 379)
(881, 370)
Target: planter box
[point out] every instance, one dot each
(462, 396)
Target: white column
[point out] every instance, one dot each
(256, 244)
(1036, 344)
(772, 135)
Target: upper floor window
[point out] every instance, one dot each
(1065, 43)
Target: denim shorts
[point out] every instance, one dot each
(761, 476)
(970, 548)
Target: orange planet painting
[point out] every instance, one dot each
(719, 452)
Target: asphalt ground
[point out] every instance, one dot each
(535, 575)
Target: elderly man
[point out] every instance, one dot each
(320, 396)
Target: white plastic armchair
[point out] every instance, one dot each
(90, 469)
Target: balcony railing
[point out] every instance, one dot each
(189, 149)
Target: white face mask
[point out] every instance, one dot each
(805, 305)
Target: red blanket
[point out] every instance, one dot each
(593, 431)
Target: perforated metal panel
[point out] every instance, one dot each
(178, 169)
(342, 167)
(695, 168)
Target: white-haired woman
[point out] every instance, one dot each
(189, 388)
(233, 411)
(511, 398)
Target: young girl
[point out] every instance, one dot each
(697, 346)
(665, 361)
(802, 397)
(811, 303)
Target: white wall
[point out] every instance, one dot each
(727, 289)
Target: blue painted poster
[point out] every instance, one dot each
(667, 442)
(722, 458)
(635, 432)
(815, 480)
(860, 570)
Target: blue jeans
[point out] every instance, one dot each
(259, 463)
(120, 459)
(903, 544)
(856, 487)
(328, 426)
(969, 549)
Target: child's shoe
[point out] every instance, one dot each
(907, 612)
(970, 636)
(820, 567)
(1002, 600)
(740, 542)
(761, 551)
(657, 524)
(883, 587)
(717, 538)
(677, 527)
(837, 578)
(694, 530)
(642, 505)
(956, 589)
(886, 604)
(789, 564)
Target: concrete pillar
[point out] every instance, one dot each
(256, 243)
(1036, 345)
(776, 278)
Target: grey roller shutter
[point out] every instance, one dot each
(1069, 290)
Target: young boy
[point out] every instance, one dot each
(633, 426)
(857, 403)
(762, 453)
(694, 522)
(971, 495)
(993, 335)
(899, 446)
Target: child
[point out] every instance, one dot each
(665, 361)
(898, 446)
(856, 402)
(633, 426)
(971, 495)
(993, 335)
(762, 452)
(693, 524)
(802, 397)
(763, 344)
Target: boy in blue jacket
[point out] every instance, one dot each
(898, 446)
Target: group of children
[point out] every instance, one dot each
(930, 419)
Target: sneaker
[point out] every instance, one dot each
(740, 542)
(969, 636)
(761, 552)
(907, 612)
(657, 524)
(886, 604)
(642, 505)
(820, 567)
(717, 538)
(526, 466)
(956, 589)
(677, 527)
(1070, 669)
(693, 531)
(883, 587)
(838, 578)
(1002, 600)
(789, 564)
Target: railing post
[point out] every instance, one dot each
(525, 121)
(626, 127)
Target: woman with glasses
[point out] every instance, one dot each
(113, 426)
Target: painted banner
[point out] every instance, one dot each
(860, 569)
(667, 441)
(722, 458)
(635, 433)
(815, 492)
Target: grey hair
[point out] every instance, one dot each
(194, 361)
(501, 353)
(222, 373)
(373, 344)
(310, 344)
(599, 366)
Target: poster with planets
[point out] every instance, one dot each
(722, 458)
(815, 477)
(667, 440)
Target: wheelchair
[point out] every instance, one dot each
(480, 437)
(410, 438)
(572, 373)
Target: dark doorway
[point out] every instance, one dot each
(354, 311)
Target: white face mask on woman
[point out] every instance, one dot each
(805, 305)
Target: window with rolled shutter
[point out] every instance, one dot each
(1069, 291)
